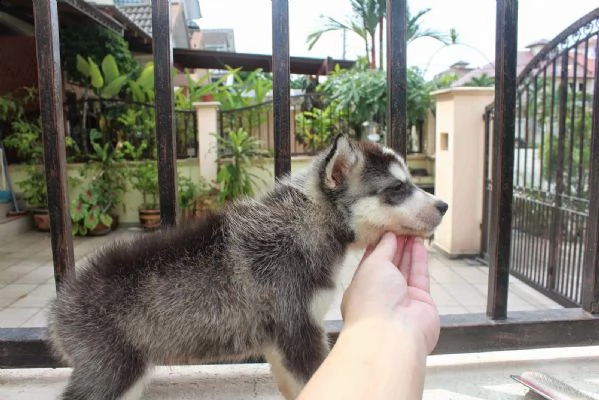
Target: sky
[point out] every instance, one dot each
(473, 19)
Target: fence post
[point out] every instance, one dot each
(280, 86)
(503, 158)
(50, 96)
(590, 274)
(207, 116)
(165, 106)
(397, 75)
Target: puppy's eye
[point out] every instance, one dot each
(397, 187)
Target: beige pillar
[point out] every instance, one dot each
(459, 158)
(207, 115)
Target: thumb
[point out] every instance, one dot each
(386, 248)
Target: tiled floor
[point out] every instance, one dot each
(27, 283)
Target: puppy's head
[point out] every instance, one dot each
(371, 184)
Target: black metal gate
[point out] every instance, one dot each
(555, 100)
(494, 330)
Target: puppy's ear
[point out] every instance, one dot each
(339, 162)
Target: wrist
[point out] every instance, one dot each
(390, 330)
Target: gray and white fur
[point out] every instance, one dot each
(255, 278)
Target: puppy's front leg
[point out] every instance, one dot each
(295, 356)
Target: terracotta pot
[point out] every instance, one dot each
(149, 219)
(99, 230)
(41, 219)
(207, 97)
(115, 222)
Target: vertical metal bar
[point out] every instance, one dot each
(519, 136)
(578, 252)
(485, 217)
(165, 124)
(573, 122)
(556, 221)
(543, 116)
(280, 86)
(503, 160)
(590, 286)
(525, 182)
(567, 254)
(397, 86)
(551, 119)
(534, 130)
(53, 137)
(581, 165)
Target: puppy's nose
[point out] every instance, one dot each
(442, 207)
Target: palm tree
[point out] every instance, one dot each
(362, 22)
(366, 17)
(483, 80)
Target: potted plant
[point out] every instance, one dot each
(90, 213)
(235, 178)
(35, 196)
(26, 139)
(145, 180)
(207, 200)
(110, 178)
(192, 196)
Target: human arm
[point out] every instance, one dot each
(390, 325)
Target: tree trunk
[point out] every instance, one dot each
(372, 51)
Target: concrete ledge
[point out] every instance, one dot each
(470, 376)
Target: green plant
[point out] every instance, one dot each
(190, 191)
(235, 178)
(88, 211)
(315, 128)
(358, 94)
(145, 180)
(248, 89)
(34, 187)
(196, 89)
(483, 80)
(93, 41)
(26, 139)
(110, 178)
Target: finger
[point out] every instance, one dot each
(386, 248)
(367, 252)
(401, 249)
(405, 265)
(419, 275)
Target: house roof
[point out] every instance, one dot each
(218, 37)
(522, 59)
(140, 14)
(133, 32)
(69, 12)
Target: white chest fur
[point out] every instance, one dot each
(322, 299)
(320, 304)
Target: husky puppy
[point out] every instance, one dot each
(255, 278)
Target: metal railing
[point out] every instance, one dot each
(314, 122)
(495, 330)
(555, 104)
(117, 120)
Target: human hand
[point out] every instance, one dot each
(392, 283)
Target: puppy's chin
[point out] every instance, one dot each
(372, 237)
